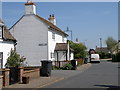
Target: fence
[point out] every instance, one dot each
(16, 74)
(1, 82)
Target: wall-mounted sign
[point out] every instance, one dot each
(42, 44)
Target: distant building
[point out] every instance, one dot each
(7, 42)
(38, 38)
(103, 49)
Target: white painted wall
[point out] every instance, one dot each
(61, 55)
(5, 47)
(52, 42)
(30, 32)
(71, 56)
(0, 32)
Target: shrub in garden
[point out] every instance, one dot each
(118, 57)
(67, 67)
(14, 60)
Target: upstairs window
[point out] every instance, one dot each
(53, 35)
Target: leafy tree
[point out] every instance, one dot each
(110, 42)
(14, 59)
(79, 49)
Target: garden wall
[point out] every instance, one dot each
(1, 81)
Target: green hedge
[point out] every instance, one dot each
(67, 67)
(116, 57)
(104, 55)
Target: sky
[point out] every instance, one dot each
(89, 21)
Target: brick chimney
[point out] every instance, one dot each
(30, 7)
(52, 19)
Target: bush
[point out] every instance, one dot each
(68, 67)
(116, 58)
(104, 55)
(14, 60)
(77, 56)
(56, 68)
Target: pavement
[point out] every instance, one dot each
(56, 76)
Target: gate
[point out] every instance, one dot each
(13, 75)
(1, 62)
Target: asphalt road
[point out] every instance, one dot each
(99, 75)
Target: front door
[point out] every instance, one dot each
(1, 60)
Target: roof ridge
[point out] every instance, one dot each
(50, 24)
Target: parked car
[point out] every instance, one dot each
(95, 58)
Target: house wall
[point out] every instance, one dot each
(62, 56)
(5, 47)
(0, 31)
(31, 34)
(71, 56)
(52, 42)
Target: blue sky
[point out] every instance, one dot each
(89, 21)
(0, 9)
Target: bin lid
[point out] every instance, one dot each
(46, 61)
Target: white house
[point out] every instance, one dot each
(38, 37)
(7, 42)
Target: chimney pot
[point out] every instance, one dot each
(52, 15)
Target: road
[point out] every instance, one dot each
(99, 75)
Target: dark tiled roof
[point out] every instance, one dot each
(51, 25)
(62, 47)
(103, 49)
(8, 35)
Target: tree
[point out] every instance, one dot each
(110, 42)
(79, 49)
(14, 59)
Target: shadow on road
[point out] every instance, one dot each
(110, 87)
(94, 62)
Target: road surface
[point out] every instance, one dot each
(99, 75)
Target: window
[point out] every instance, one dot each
(53, 35)
(52, 55)
(0, 32)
